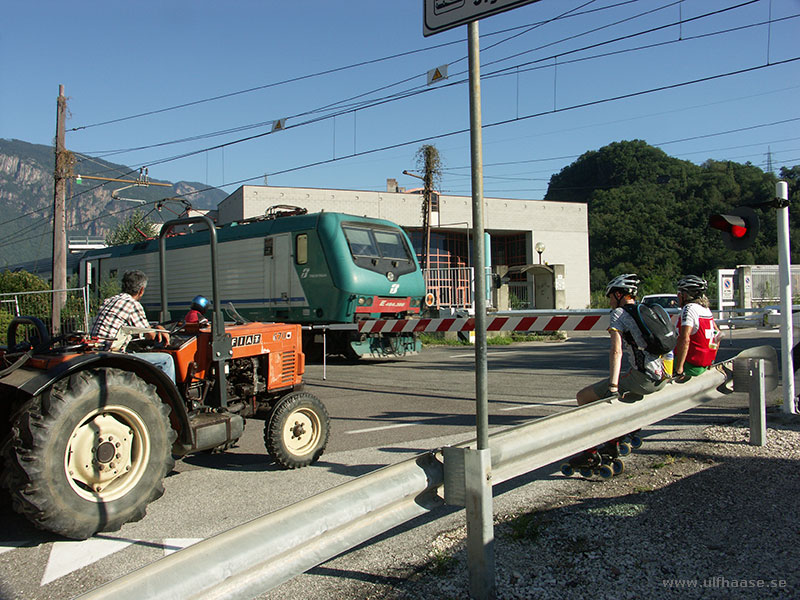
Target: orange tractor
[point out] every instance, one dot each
(87, 435)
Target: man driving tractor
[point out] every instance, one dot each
(126, 309)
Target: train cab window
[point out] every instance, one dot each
(379, 248)
(391, 245)
(301, 249)
(361, 242)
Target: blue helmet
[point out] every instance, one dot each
(200, 303)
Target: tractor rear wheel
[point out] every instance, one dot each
(89, 454)
(297, 431)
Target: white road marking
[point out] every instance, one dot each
(172, 545)
(565, 402)
(489, 351)
(66, 557)
(382, 427)
(6, 546)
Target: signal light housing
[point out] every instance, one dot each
(739, 227)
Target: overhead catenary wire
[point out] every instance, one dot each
(502, 72)
(347, 105)
(518, 119)
(335, 70)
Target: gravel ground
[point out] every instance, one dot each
(698, 515)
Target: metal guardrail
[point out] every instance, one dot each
(257, 556)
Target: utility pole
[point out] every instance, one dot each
(60, 175)
(430, 163)
(426, 217)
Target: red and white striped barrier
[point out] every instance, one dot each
(551, 322)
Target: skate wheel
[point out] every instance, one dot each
(618, 466)
(566, 469)
(586, 472)
(624, 448)
(636, 442)
(605, 471)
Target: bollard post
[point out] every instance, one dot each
(758, 403)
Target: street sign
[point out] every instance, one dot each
(727, 287)
(441, 15)
(437, 74)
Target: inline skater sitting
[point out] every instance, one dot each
(645, 374)
(698, 334)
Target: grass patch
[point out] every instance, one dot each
(618, 510)
(527, 527)
(441, 562)
(669, 459)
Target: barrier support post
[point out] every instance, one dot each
(758, 403)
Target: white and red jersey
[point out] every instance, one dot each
(704, 335)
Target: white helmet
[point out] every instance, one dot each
(693, 285)
(628, 283)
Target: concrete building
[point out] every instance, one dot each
(556, 277)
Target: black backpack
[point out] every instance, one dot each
(655, 327)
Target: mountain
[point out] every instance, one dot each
(26, 199)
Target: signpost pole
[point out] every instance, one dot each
(480, 525)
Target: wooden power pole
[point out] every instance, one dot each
(60, 175)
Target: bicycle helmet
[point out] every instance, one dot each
(200, 303)
(627, 283)
(692, 285)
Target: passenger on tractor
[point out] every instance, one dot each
(126, 309)
(197, 311)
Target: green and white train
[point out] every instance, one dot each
(322, 270)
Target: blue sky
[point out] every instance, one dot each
(546, 90)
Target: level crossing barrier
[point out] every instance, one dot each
(553, 320)
(255, 557)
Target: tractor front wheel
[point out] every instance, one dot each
(297, 431)
(90, 453)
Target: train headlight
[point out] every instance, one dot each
(390, 276)
(364, 301)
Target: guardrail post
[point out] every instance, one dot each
(480, 523)
(468, 482)
(758, 403)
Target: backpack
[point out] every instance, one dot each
(655, 327)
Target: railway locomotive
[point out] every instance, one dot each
(325, 271)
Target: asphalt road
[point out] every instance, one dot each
(382, 412)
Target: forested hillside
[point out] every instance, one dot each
(26, 199)
(648, 212)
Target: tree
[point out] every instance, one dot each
(134, 228)
(648, 212)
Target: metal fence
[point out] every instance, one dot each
(766, 284)
(519, 295)
(74, 315)
(451, 288)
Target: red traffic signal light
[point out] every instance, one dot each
(739, 227)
